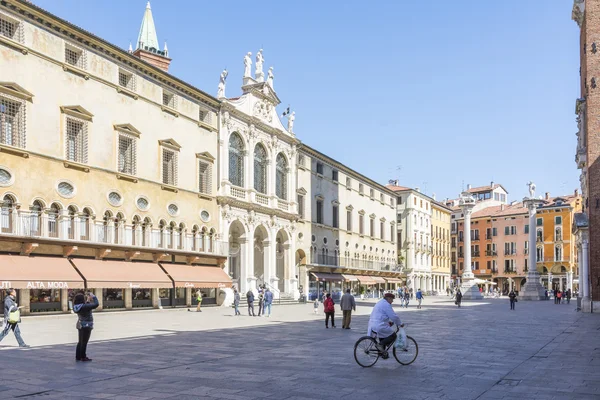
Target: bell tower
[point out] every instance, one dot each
(147, 47)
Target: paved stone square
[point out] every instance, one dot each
(480, 351)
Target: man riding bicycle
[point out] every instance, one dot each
(381, 321)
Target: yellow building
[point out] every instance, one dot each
(440, 234)
(556, 248)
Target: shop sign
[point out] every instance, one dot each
(47, 285)
(187, 284)
(221, 285)
(134, 285)
(5, 285)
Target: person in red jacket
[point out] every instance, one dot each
(329, 311)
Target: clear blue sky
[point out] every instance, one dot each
(451, 91)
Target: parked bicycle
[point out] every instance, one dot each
(367, 351)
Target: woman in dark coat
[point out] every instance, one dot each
(85, 322)
(458, 297)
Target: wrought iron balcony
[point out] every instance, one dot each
(491, 253)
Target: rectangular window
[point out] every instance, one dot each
(334, 175)
(10, 28)
(76, 140)
(126, 80)
(301, 206)
(361, 224)
(12, 122)
(381, 231)
(205, 116)
(301, 160)
(349, 220)
(372, 227)
(415, 201)
(361, 188)
(392, 234)
(526, 229)
(335, 211)
(372, 193)
(169, 167)
(557, 220)
(348, 183)
(513, 230)
(489, 265)
(319, 168)
(75, 56)
(494, 231)
(319, 212)
(204, 177)
(381, 198)
(127, 155)
(540, 222)
(169, 99)
(507, 230)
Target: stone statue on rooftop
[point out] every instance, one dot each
(531, 190)
(270, 77)
(291, 119)
(221, 88)
(248, 65)
(260, 76)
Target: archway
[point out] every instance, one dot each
(282, 249)
(261, 237)
(237, 239)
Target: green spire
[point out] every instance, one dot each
(147, 37)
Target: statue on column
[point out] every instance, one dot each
(260, 76)
(248, 65)
(221, 88)
(291, 118)
(531, 190)
(270, 77)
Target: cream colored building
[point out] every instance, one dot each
(104, 156)
(346, 230)
(440, 236)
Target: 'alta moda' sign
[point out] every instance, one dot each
(47, 285)
(5, 285)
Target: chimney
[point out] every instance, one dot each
(492, 184)
(502, 207)
(576, 192)
(469, 186)
(547, 195)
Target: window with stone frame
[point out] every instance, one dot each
(361, 224)
(12, 121)
(169, 166)
(205, 116)
(236, 160)
(127, 154)
(301, 212)
(204, 177)
(75, 56)
(260, 169)
(76, 140)
(349, 220)
(335, 214)
(319, 211)
(372, 227)
(11, 28)
(127, 79)
(169, 99)
(281, 177)
(381, 231)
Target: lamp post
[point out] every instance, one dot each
(533, 289)
(468, 287)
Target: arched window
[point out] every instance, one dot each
(236, 160)
(6, 214)
(203, 238)
(180, 244)
(119, 219)
(135, 225)
(558, 253)
(172, 229)
(195, 230)
(281, 178)
(161, 233)
(53, 217)
(146, 225)
(260, 169)
(106, 223)
(71, 222)
(558, 234)
(84, 224)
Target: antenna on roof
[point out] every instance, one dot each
(462, 188)
(424, 187)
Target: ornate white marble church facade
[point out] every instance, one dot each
(257, 186)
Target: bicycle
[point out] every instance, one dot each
(366, 352)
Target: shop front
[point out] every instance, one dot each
(392, 284)
(320, 282)
(190, 279)
(367, 286)
(379, 287)
(351, 282)
(42, 283)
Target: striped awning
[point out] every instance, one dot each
(324, 277)
(378, 279)
(350, 278)
(393, 280)
(366, 280)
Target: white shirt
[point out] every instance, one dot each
(382, 314)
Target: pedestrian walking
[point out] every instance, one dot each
(558, 296)
(347, 304)
(546, 294)
(12, 317)
(513, 299)
(199, 300)
(458, 298)
(261, 302)
(407, 297)
(83, 306)
(420, 297)
(250, 300)
(316, 306)
(411, 293)
(268, 300)
(329, 309)
(236, 302)
(568, 296)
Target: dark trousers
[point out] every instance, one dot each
(251, 309)
(387, 340)
(327, 316)
(261, 308)
(15, 328)
(84, 338)
(512, 304)
(347, 317)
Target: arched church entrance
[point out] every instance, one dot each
(237, 239)
(261, 241)
(281, 259)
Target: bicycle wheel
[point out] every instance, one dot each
(408, 355)
(365, 352)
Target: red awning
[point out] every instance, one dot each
(392, 280)
(350, 278)
(196, 276)
(378, 279)
(122, 274)
(366, 280)
(21, 272)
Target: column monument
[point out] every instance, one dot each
(468, 287)
(533, 289)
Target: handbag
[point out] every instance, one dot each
(14, 317)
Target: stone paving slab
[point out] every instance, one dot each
(480, 351)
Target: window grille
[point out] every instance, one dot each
(281, 177)
(260, 169)
(173, 209)
(75, 56)
(319, 212)
(127, 154)
(335, 218)
(11, 28)
(169, 100)
(361, 225)
(301, 206)
(65, 189)
(361, 188)
(12, 121)
(142, 203)
(349, 220)
(236, 160)
(5, 177)
(127, 80)
(205, 116)
(114, 199)
(204, 177)
(301, 160)
(76, 140)
(169, 167)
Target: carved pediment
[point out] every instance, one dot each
(127, 128)
(206, 156)
(13, 89)
(301, 191)
(263, 110)
(77, 112)
(171, 143)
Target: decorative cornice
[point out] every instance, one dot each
(225, 200)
